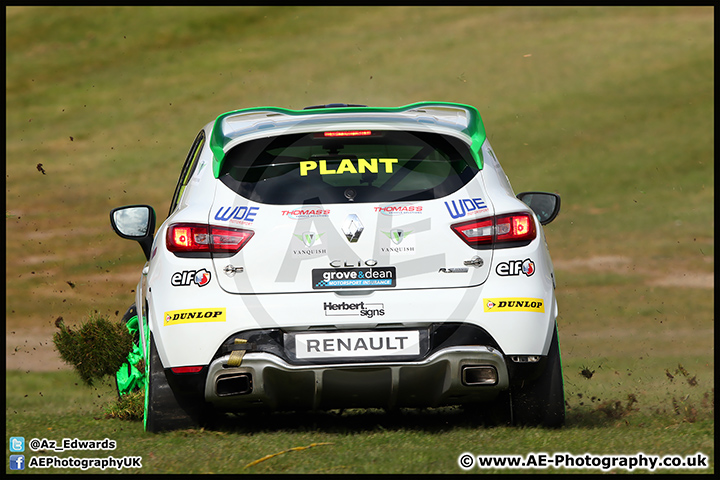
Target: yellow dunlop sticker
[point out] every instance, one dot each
(514, 305)
(195, 315)
(347, 165)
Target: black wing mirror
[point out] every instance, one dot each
(545, 205)
(135, 222)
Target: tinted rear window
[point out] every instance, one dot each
(382, 166)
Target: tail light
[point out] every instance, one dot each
(193, 369)
(192, 237)
(514, 229)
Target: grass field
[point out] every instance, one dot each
(613, 108)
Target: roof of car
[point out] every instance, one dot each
(231, 126)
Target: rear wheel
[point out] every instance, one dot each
(541, 402)
(164, 410)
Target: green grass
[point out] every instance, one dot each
(613, 108)
(371, 441)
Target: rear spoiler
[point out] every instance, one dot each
(232, 125)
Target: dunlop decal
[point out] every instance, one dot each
(195, 315)
(514, 305)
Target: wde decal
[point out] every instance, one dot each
(514, 305)
(466, 206)
(516, 267)
(196, 315)
(188, 277)
(241, 214)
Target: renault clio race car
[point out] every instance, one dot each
(344, 256)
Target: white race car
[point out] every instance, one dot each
(344, 256)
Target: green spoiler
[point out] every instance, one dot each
(232, 125)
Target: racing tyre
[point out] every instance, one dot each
(541, 402)
(163, 409)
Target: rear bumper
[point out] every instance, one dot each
(267, 381)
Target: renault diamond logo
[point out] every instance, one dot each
(352, 228)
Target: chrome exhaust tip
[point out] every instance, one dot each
(233, 384)
(474, 375)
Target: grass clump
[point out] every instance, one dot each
(96, 349)
(128, 407)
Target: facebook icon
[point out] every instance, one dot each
(17, 462)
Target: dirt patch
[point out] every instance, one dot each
(620, 264)
(32, 350)
(687, 279)
(606, 262)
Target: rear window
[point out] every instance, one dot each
(362, 166)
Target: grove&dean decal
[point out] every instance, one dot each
(188, 277)
(323, 278)
(514, 305)
(195, 315)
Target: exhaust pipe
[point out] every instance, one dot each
(473, 375)
(233, 384)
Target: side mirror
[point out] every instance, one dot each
(545, 205)
(135, 222)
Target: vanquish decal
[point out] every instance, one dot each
(359, 309)
(399, 209)
(241, 215)
(466, 206)
(516, 267)
(514, 305)
(311, 241)
(188, 277)
(399, 236)
(309, 238)
(347, 165)
(323, 278)
(196, 315)
(306, 212)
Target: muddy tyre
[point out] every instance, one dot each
(541, 402)
(163, 409)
